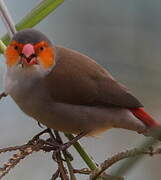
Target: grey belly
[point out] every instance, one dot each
(76, 118)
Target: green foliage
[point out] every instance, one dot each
(2, 46)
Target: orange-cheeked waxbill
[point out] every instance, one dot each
(68, 91)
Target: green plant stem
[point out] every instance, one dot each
(83, 153)
(2, 46)
(88, 160)
(36, 15)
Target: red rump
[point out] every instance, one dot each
(145, 117)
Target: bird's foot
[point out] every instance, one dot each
(3, 95)
(54, 142)
(40, 125)
(73, 141)
(46, 131)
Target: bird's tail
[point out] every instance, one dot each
(154, 129)
(145, 117)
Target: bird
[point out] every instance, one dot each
(68, 91)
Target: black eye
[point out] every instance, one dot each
(16, 48)
(42, 48)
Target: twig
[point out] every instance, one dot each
(6, 17)
(56, 174)
(87, 159)
(85, 171)
(66, 156)
(35, 144)
(63, 172)
(127, 164)
(70, 167)
(14, 148)
(122, 155)
(24, 151)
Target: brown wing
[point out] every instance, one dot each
(77, 79)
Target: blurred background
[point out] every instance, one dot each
(123, 36)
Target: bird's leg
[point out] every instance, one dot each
(3, 95)
(59, 140)
(48, 130)
(56, 143)
(73, 141)
(60, 143)
(39, 124)
(62, 170)
(41, 133)
(50, 142)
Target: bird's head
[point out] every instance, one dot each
(30, 48)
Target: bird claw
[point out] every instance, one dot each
(3, 95)
(40, 125)
(65, 146)
(36, 137)
(54, 144)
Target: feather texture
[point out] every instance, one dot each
(77, 79)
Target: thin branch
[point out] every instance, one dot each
(7, 19)
(24, 151)
(84, 171)
(67, 157)
(87, 159)
(13, 148)
(123, 155)
(55, 175)
(104, 176)
(63, 172)
(70, 167)
(34, 145)
(130, 162)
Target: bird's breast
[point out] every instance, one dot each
(27, 91)
(33, 97)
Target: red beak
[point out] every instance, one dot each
(28, 50)
(29, 54)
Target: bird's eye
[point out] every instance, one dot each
(16, 47)
(42, 48)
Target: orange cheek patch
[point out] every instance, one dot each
(11, 56)
(47, 57)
